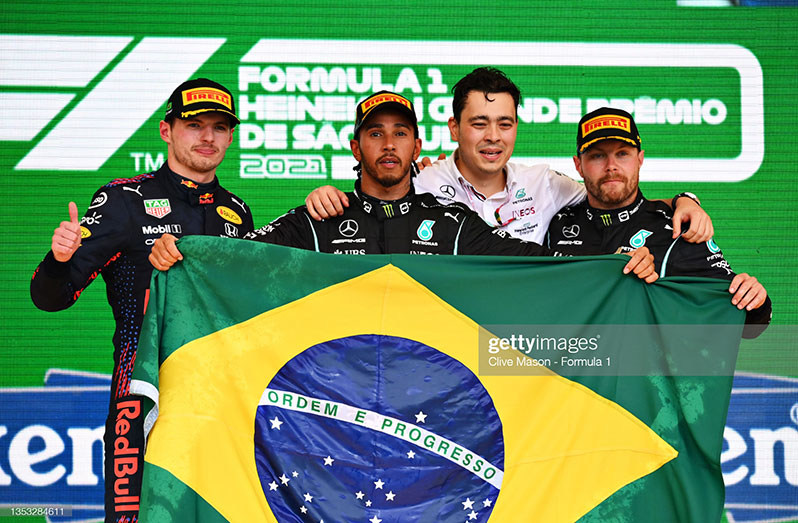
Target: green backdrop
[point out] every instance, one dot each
(83, 85)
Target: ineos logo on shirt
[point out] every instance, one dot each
(570, 231)
(348, 228)
(447, 190)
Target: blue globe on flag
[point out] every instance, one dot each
(379, 429)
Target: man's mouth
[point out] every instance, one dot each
(491, 154)
(205, 151)
(389, 161)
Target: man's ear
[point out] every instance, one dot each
(165, 130)
(578, 165)
(355, 146)
(454, 129)
(417, 149)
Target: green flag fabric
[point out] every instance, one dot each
(288, 385)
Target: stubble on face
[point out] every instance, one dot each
(385, 147)
(198, 145)
(611, 171)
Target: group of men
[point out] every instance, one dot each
(474, 202)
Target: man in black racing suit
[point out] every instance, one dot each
(114, 238)
(388, 216)
(413, 224)
(616, 215)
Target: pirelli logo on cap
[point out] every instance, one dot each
(207, 94)
(606, 121)
(374, 101)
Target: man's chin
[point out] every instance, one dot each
(389, 180)
(492, 167)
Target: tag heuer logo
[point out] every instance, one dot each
(157, 208)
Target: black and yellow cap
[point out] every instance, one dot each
(199, 96)
(606, 123)
(384, 100)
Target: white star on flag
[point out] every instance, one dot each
(390, 495)
(295, 473)
(368, 502)
(308, 497)
(378, 484)
(303, 509)
(276, 423)
(421, 417)
(359, 495)
(472, 515)
(375, 519)
(411, 454)
(468, 504)
(328, 461)
(272, 486)
(284, 480)
(486, 503)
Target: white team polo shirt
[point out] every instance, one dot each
(524, 208)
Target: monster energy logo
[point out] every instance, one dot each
(606, 219)
(388, 210)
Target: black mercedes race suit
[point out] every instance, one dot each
(124, 219)
(581, 229)
(415, 224)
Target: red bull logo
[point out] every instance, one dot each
(206, 198)
(189, 184)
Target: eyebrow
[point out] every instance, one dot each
(481, 117)
(376, 125)
(221, 120)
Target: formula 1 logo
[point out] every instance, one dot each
(97, 111)
(760, 449)
(278, 68)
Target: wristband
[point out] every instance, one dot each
(685, 195)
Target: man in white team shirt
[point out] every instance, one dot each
(521, 199)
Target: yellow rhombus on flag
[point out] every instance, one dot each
(231, 430)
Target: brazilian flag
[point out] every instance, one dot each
(294, 386)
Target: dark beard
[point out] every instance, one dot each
(387, 183)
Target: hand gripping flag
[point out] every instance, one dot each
(295, 386)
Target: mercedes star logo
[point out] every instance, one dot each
(447, 190)
(571, 231)
(348, 228)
